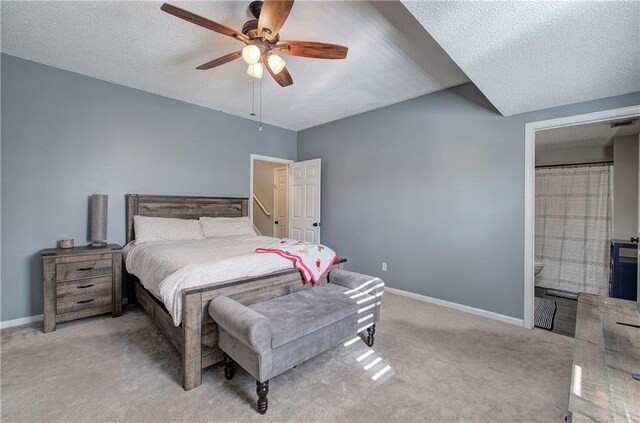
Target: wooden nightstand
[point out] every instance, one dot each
(81, 282)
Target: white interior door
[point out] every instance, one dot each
(304, 200)
(280, 178)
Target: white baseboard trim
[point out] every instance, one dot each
(471, 310)
(21, 321)
(424, 298)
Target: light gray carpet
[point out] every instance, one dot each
(445, 366)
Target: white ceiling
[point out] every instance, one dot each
(391, 57)
(598, 134)
(531, 55)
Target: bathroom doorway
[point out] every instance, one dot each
(585, 217)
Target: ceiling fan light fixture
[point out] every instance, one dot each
(251, 54)
(255, 70)
(276, 63)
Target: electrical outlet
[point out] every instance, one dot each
(384, 266)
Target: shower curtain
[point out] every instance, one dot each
(573, 227)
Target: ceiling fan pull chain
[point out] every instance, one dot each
(260, 127)
(253, 96)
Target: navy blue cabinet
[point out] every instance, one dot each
(624, 272)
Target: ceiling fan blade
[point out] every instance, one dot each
(272, 17)
(313, 50)
(221, 60)
(203, 22)
(283, 77)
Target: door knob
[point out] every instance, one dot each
(636, 239)
(276, 222)
(316, 224)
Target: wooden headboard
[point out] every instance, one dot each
(182, 208)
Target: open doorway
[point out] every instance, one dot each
(581, 214)
(285, 197)
(269, 195)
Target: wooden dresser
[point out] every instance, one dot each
(81, 282)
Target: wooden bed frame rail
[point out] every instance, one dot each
(197, 337)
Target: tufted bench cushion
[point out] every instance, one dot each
(303, 312)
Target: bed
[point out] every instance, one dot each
(188, 325)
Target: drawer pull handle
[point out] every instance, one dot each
(84, 286)
(84, 269)
(85, 301)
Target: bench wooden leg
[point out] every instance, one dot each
(262, 389)
(229, 367)
(370, 332)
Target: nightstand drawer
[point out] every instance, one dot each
(95, 286)
(74, 303)
(83, 269)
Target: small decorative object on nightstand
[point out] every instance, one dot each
(65, 243)
(81, 282)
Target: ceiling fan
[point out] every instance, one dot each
(262, 40)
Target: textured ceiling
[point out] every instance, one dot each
(598, 134)
(391, 57)
(530, 55)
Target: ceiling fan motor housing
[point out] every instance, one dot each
(255, 7)
(250, 29)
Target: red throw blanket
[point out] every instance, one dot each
(313, 260)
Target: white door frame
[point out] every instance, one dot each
(252, 158)
(529, 188)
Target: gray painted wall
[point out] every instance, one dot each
(434, 186)
(574, 155)
(625, 187)
(67, 136)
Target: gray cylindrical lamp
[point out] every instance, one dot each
(99, 211)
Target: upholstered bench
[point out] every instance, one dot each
(271, 337)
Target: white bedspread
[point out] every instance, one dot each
(165, 268)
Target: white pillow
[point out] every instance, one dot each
(148, 229)
(214, 227)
